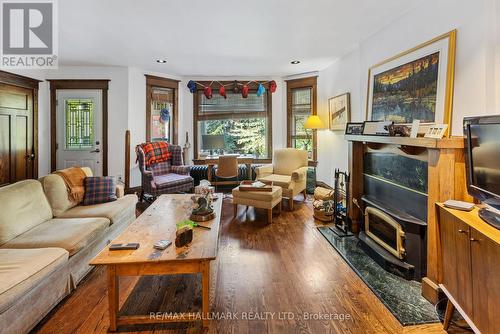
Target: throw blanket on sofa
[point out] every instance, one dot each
(155, 152)
(74, 178)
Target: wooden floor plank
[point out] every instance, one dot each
(283, 267)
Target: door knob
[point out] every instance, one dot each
(95, 151)
(30, 156)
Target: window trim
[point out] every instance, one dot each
(309, 82)
(252, 90)
(152, 82)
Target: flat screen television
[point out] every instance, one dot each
(482, 148)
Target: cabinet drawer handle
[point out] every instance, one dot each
(461, 231)
(472, 239)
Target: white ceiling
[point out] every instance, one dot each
(219, 38)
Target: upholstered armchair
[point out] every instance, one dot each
(165, 177)
(288, 170)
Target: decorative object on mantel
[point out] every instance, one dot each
(398, 130)
(377, 128)
(436, 131)
(417, 83)
(341, 205)
(339, 110)
(354, 128)
(415, 125)
(207, 90)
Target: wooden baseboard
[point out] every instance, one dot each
(431, 290)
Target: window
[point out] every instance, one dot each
(233, 125)
(301, 103)
(161, 109)
(79, 115)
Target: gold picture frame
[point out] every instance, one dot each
(445, 48)
(339, 111)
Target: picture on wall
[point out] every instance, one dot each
(407, 92)
(339, 111)
(414, 85)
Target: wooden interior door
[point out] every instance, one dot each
(17, 134)
(486, 282)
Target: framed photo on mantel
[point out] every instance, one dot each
(415, 84)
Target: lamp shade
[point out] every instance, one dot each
(314, 122)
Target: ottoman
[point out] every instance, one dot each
(258, 199)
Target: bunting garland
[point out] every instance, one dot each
(207, 90)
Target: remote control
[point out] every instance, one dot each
(162, 244)
(130, 245)
(459, 205)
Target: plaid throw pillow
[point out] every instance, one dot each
(99, 190)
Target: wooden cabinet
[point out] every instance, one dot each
(485, 282)
(470, 253)
(456, 260)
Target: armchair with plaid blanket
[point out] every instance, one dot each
(165, 177)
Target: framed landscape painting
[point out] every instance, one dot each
(339, 111)
(414, 85)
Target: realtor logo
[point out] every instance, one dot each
(28, 36)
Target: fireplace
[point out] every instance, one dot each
(395, 206)
(384, 230)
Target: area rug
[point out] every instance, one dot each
(403, 298)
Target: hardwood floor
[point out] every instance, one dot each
(285, 269)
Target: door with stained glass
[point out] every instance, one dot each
(79, 129)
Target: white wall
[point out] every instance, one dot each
(477, 81)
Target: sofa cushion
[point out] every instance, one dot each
(99, 189)
(283, 181)
(171, 181)
(287, 160)
(57, 193)
(72, 234)
(25, 207)
(23, 269)
(117, 211)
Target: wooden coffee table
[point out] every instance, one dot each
(156, 223)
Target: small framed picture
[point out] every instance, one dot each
(436, 131)
(339, 111)
(414, 128)
(377, 128)
(354, 128)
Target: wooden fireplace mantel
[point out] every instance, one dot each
(452, 142)
(446, 180)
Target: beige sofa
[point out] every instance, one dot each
(289, 171)
(46, 243)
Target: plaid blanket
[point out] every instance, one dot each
(155, 152)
